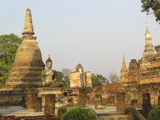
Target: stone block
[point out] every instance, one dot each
(120, 107)
(75, 81)
(98, 101)
(88, 79)
(61, 111)
(37, 104)
(30, 98)
(82, 97)
(49, 104)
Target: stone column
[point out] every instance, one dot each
(61, 111)
(49, 107)
(30, 98)
(98, 101)
(82, 97)
(37, 104)
(120, 101)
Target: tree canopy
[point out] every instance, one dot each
(151, 5)
(98, 79)
(8, 48)
(113, 77)
(64, 77)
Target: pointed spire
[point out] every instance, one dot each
(124, 68)
(148, 51)
(147, 34)
(28, 26)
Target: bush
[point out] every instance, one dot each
(80, 113)
(154, 114)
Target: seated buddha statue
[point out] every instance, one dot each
(49, 75)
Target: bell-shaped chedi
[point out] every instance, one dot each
(28, 64)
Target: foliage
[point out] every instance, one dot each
(154, 5)
(66, 72)
(154, 114)
(79, 113)
(113, 77)
(8, 48)
(98, 80)
(63, 77)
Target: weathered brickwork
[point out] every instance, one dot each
(143, 76)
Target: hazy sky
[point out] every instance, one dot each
(95, 33)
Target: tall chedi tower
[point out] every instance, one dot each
(124, 71)
(148, 51)
(28, 64)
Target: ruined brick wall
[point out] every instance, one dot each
(88, 79)
(75, 81)
(108, 93)
(135, 92)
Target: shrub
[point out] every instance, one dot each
(80, 113)
(154, 114)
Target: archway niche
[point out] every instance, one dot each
(133, 102)
(146, 103)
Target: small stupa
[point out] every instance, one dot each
(28, 64)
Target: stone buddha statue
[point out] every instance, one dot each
(79, 68)
(48, 75)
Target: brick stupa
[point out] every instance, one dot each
(26, 69)
(28, 64)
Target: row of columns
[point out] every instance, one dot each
(34, 102)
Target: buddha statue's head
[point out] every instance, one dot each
(79, 68)
(49, 63)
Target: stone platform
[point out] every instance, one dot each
(107, 113)
(49, 90)
(21, 111)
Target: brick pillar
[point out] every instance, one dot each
(37, 104)
(82, 97)
(120, 101)
(49, 107)
(30, 98)
(98, 101)
(61, 111)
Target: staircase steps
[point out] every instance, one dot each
(113, 116)
(144, 113)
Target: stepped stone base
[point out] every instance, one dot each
(49, 90)
(12, 96)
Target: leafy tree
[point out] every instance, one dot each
(8, 47)
(113, 77)
(66, 72)
(154, 114)
(64, 77)
(154, 5)
(80, 113)
(98, 80)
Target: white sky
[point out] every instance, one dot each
(94, 33)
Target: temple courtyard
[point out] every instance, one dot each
(21, 111)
